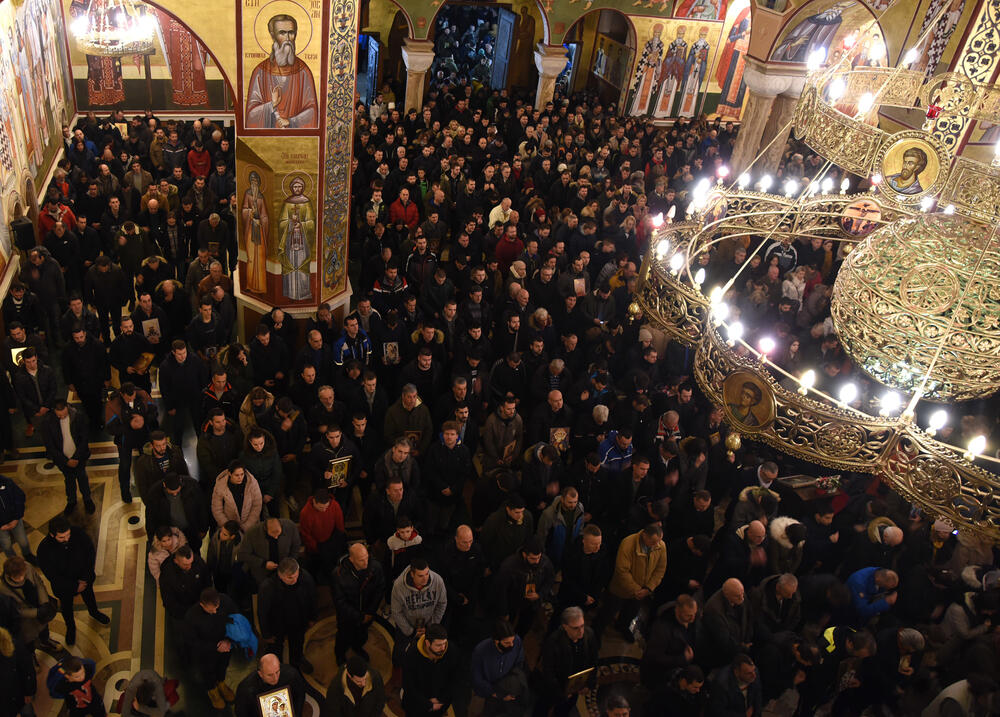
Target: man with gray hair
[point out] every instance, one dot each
(286, 607)
(572, 648)
(410, 418)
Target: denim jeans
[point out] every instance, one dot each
(18, 535)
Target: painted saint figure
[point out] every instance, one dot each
(907, 179)
(645, 74)
(813, 33)
(282, 92)
(749, 397)
(729, 74)
(701, 9)
(694, 71)
(671, 76)
(297, 225)
(256, 232)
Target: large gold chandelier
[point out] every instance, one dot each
(916, 303)
(113, 28)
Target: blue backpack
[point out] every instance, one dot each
(239, 631)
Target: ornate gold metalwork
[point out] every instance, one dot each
(901, 291)
(907, 280)
(973, 187)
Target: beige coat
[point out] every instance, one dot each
(224, 505)
(634, 569)
(31, 623)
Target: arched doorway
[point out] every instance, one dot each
(601, 47)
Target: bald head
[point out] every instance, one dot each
(269, 669)
(892, 536)
(756, 532)
(358, 555)
(733, 591)
(463, 538)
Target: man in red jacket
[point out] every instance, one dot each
(405, 211)
(199, 161)
(321, 525)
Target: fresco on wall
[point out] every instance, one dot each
(687, 69)
(701, 9)
(612, 60)
(35, 95)
(177, 74)
(277, 218)
(931, 50)
(281, 58)
(729, 69)
(821, 28)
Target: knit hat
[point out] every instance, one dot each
(356, 666)
(645, 335)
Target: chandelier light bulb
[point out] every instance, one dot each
(891, 402)
(658, 221)
(807, 381)
(937, 421)
(791, 187)
(866, 102)
(715, 296)
(876, 179)
(662, 247)
(848, 393)
(836, 89)
(722, 172)
(826, 185)
(926, 204)
(720, 312)
(699, 277)
(676, 262)
(950, 209)
(765, 182)
(671, 213)
(976, 446)
(766, 345)
(813, 188)
(910, 57)
(744, 180)
(877, 51)
(816, 59)
(850, 40)
(845, 184)
(735, 332)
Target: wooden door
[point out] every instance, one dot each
(505, 43)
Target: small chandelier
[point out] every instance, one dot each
(112, 28)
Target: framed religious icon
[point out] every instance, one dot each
(576, 682)
(559, 437)
(15, 355)
(276, 704)
(151, 329)
(748, 401)
(340, 468)
(715, 209)
(413, 436)
(390, 352)
(911, 167)
(861, 217)
(508, 452)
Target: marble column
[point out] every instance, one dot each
(755, 116)
(418, 55)
(764, 83)
(550, 61)
(776, 131)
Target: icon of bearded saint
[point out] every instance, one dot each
(907, 180)
(282, 92)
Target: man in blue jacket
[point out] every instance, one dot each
(873, 592)
(498, 674)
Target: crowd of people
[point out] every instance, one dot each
(530, 461)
